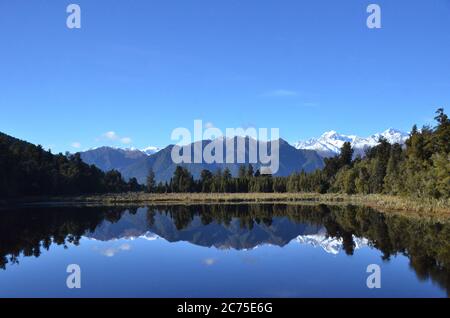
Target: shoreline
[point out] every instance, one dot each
(383, 203)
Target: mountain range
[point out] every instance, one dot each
(330, 143)
(303, 155)
(136, 163)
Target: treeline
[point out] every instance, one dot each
(29, 170)
(421, 168)
(221, 181)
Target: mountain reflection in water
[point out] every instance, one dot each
(233, 232)
(30, 231)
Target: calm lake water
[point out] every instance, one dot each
(221, 251)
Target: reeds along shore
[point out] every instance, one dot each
(385, 203)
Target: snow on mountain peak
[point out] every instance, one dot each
(329, 134)
(330, 143)
(150, 150)
(391, 131)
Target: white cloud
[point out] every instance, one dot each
(281, 93)
(113, 136)
(126, 140)
(109, 252)
(76, 144)
(112, 251)
(209, 261)
(125, 247)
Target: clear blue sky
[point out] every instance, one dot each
(142, 68)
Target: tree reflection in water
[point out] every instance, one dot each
(426, 243)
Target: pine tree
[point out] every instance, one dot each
(346, 155)
(250, 171)
(442, 132)
(206, 180)
(151, 182)
(393, 180)
(242, 171)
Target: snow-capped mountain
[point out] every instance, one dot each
(150, 150)
(129, 151)
(330, 143)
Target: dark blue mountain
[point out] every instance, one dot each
(133, 163)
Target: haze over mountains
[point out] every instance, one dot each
(303, 155)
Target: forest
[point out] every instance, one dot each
(421, 169)
(29, 170)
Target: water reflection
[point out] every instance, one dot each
(27, 232)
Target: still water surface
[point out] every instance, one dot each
(221, 251)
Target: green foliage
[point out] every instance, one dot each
(151, 182)
(345, 180)
(421, 169)
(29, 170)
(182, 181)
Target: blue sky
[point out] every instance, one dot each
(142, 68)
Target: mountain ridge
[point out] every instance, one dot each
(137, 165)
(330, 142)
(307, 155)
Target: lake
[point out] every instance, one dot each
(269, 250)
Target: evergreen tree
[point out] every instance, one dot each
(393, 180)
(346, 155)
(250, 171)
(133, 185)
(206, 180)
(151, 182)
(442, 132)
(182, 180)
(242, 171)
